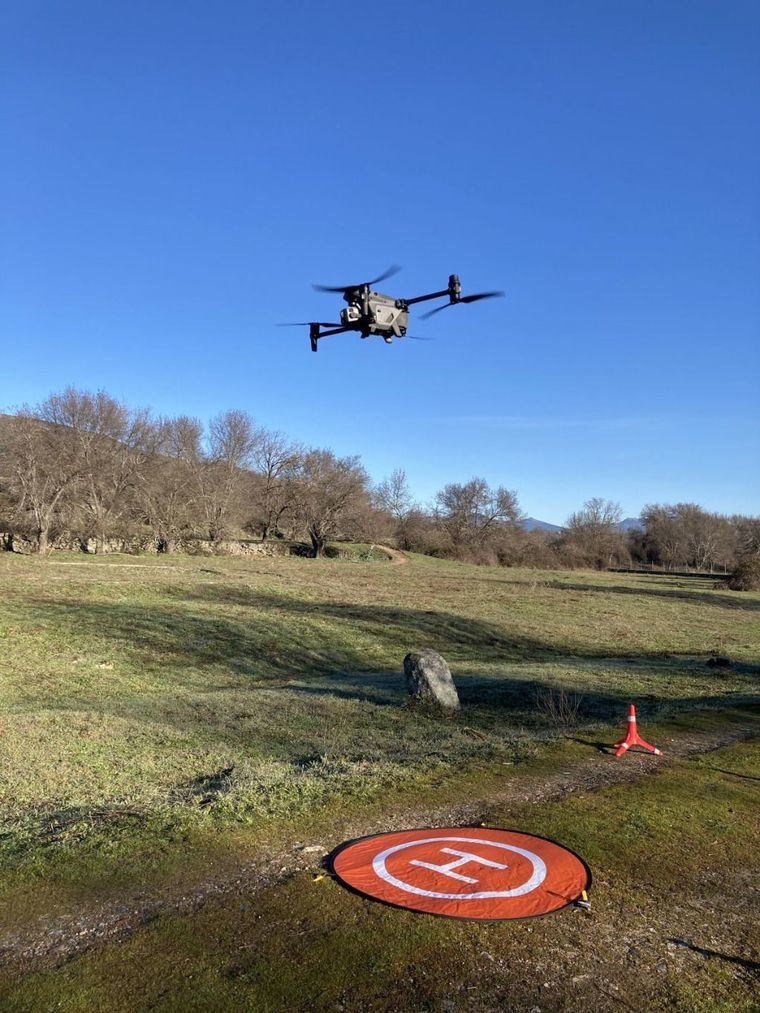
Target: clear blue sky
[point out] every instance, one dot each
(175, 175)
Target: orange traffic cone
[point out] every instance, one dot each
(632, 737)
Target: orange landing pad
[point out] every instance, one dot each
(464, 872)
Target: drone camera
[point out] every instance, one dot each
(350, 315)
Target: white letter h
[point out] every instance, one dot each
(464, 857)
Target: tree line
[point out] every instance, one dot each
(82, 469)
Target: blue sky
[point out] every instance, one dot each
(176, 175)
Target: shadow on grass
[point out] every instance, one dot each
(734, 773)
(500, 696)
(278, 636)
(727, 601)
(327, 650)
(750, 965)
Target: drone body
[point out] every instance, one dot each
(369, 312)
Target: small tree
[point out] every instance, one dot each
(329, 489)
(393, 497)
(471, 512)
(594, 532)
(746, 576)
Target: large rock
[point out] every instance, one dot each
(428, 678)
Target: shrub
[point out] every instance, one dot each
(746, 576)
(560, 707)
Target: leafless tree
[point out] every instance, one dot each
(330, 488)
(747, 535)
(707, 536)
(275, 461)
(471, 512)
(683, 534)
(220, 469)
(393, 495)
(167, 488)
(663, 537)
(111, 443)
(42, 465)
(594, 531)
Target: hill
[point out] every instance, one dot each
(533, 524)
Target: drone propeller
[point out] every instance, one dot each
(464, 298)
(416, 337)
(309, 323)
(393, 269)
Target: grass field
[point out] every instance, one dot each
(654, 940)
(164, 717)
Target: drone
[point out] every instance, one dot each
(368, 312)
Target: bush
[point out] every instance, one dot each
(746, 576)
(558, 706)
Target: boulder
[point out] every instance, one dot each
(428, 678)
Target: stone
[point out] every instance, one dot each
(428, 678)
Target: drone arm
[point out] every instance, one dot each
(453, 292)
(334, 330)
(426, 298)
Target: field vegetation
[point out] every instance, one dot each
(158, 708)
(672, 926)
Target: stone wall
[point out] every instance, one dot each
(144, 544)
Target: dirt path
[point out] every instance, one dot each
(54, 940)
(397, 558)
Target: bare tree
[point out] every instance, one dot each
(664, 540)
(393, 495)
(747, 535)
(221, 470)
(42, 464)
(594, 531)
(167, 487)
(705, 534)
(683, 534)
(111, 443)
(330, 488)
(470, 512)
(275, 460)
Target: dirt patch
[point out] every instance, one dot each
(397, 558)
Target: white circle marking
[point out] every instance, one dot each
(536, 879)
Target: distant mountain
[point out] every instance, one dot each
(631, 524)
(532, 524)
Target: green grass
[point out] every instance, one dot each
(673, 925)
(128, 686)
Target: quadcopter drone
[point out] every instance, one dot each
(369, 312)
